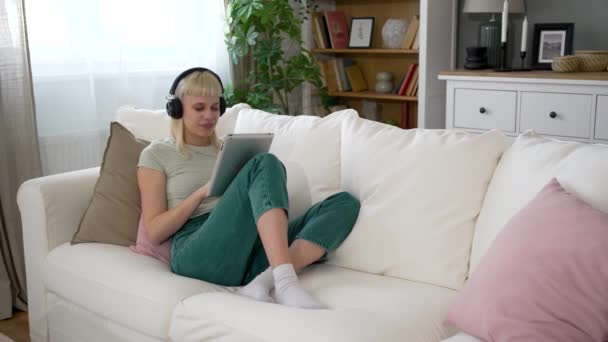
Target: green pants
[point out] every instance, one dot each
(223, 247)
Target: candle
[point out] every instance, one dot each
(524, 34)
(505, 19)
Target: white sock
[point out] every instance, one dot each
(259, 288)
(288, 290)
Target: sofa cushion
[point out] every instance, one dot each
(364, 307)
(147, 124)
(132, 289)
(526, 167)
(153, 124)
(144, 246)
(309, 146)
(227, 121)
(420, 192)
(115, 207)
(70, 322)
(555, 249)
(462, 337)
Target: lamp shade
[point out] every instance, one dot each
(492, 6)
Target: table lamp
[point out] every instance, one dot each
(489, 32)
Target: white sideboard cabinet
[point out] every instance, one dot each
(569, 106)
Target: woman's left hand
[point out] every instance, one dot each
(204, 191)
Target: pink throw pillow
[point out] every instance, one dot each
(143, 246)
(544, 278)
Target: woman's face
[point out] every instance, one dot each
(200, 117)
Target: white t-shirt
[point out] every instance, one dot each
(184, 176)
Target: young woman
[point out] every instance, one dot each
(244, 237)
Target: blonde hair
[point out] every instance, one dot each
(198, 83)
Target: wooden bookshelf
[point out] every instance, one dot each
(377, 58)
(367, 51)
(371, 95)
(427, 109)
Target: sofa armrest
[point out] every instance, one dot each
(51, 208)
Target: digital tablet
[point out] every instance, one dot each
(235, 152)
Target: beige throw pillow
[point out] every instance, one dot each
(114, 209)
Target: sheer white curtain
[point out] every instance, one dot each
(91, 57)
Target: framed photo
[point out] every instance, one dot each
(550, 41)
(361, 30)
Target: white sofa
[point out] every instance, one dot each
(432, 201)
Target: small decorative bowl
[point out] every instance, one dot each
(566, 64)
(593, 61)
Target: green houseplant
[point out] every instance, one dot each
(257, 31)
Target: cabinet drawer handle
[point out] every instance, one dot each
(482, 110)
(553, 115)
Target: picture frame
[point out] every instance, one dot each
(361, 32)
(550, 41)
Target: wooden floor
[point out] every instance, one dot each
(17, 327)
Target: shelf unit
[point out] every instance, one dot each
(367, 51)
(435, 54)
(373, 96)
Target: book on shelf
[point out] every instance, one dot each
(346, 62)
(338, 29)
(331, 79)
(316, 30)
(412, 84)
(336, 65)
(320, 34)
(356, 78)
(412, 31)
(416, 43)
(408, 79)
(325, 32)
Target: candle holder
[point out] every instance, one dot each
(522, 55)
(503, 59)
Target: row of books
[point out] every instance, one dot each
(342, 74)
(408, 85)
(330, 30)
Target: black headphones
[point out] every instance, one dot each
(174, 104)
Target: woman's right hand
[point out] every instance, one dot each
(161, 222)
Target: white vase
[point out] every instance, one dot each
(393, 33)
